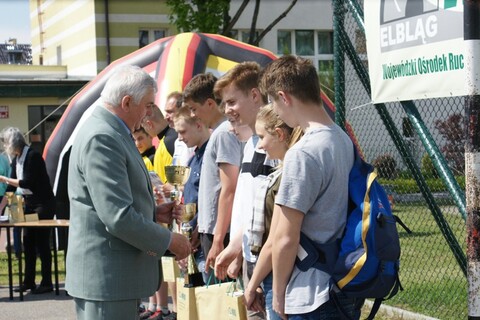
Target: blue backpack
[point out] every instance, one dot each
(364, 263)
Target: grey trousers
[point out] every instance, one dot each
(247, 274)
(106, 310)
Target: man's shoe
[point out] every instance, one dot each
(42, 289)
(25, 287)
(171, 316)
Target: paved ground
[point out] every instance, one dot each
(46, 306)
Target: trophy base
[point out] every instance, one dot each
(169, 253)
(194, 280)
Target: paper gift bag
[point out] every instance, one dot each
(210, 301)
(235, 307)
(186, 306)
(170, 269)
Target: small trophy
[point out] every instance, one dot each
(177, 176)
(193, 277)
(14, 210)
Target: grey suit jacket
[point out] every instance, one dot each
(114, 245)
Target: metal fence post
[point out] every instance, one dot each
(339, 63)
(438, 160)
(471, 14)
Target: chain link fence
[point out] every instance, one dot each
(433, 265)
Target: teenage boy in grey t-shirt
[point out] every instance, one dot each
(313, 194)
(221, 165)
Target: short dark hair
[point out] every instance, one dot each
(141, 130)
(178, 97)
(295, 75)
(200, 88)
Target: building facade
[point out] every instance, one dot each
(86, 35)
(73, 40)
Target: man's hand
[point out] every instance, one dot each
(166, 212)
(195, 239)
(254, 299)
(180, 246)
(234, 268)
(223, 260)
(212, 254)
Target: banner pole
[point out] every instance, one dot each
(471, 14)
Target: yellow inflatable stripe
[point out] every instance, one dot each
(365, 227)
(175, 66)
(219, 65)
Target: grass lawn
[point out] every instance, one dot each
(433, 282)
(4, 269)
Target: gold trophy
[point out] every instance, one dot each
(193, 277)
(178, 176)
(14, 210)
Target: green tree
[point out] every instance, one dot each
(213, 17)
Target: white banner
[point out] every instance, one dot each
(415, 49)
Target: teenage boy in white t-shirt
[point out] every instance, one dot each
(242, 99)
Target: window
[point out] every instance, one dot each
(48, 116)
(316, 45)
(304, 43)
(59, 55)
(284, 42)
(312, 44)
(325, 42)
(146, 36)
(243, 35)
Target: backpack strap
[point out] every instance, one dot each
(375, 308)
(400, 222)
(314, 255)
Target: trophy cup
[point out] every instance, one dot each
(10, 206)
(193, 277)
(178, 176)
(14, 210)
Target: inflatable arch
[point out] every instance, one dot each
(172, 62)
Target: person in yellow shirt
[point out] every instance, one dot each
(143, 142)
(156, 125)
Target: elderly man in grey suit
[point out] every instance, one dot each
(114, 242)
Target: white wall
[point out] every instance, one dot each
(306, 14)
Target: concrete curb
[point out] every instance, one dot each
(397, 313)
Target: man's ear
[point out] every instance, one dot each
(147, 124)
(256, 95)
(285, 97)
(126, 102)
